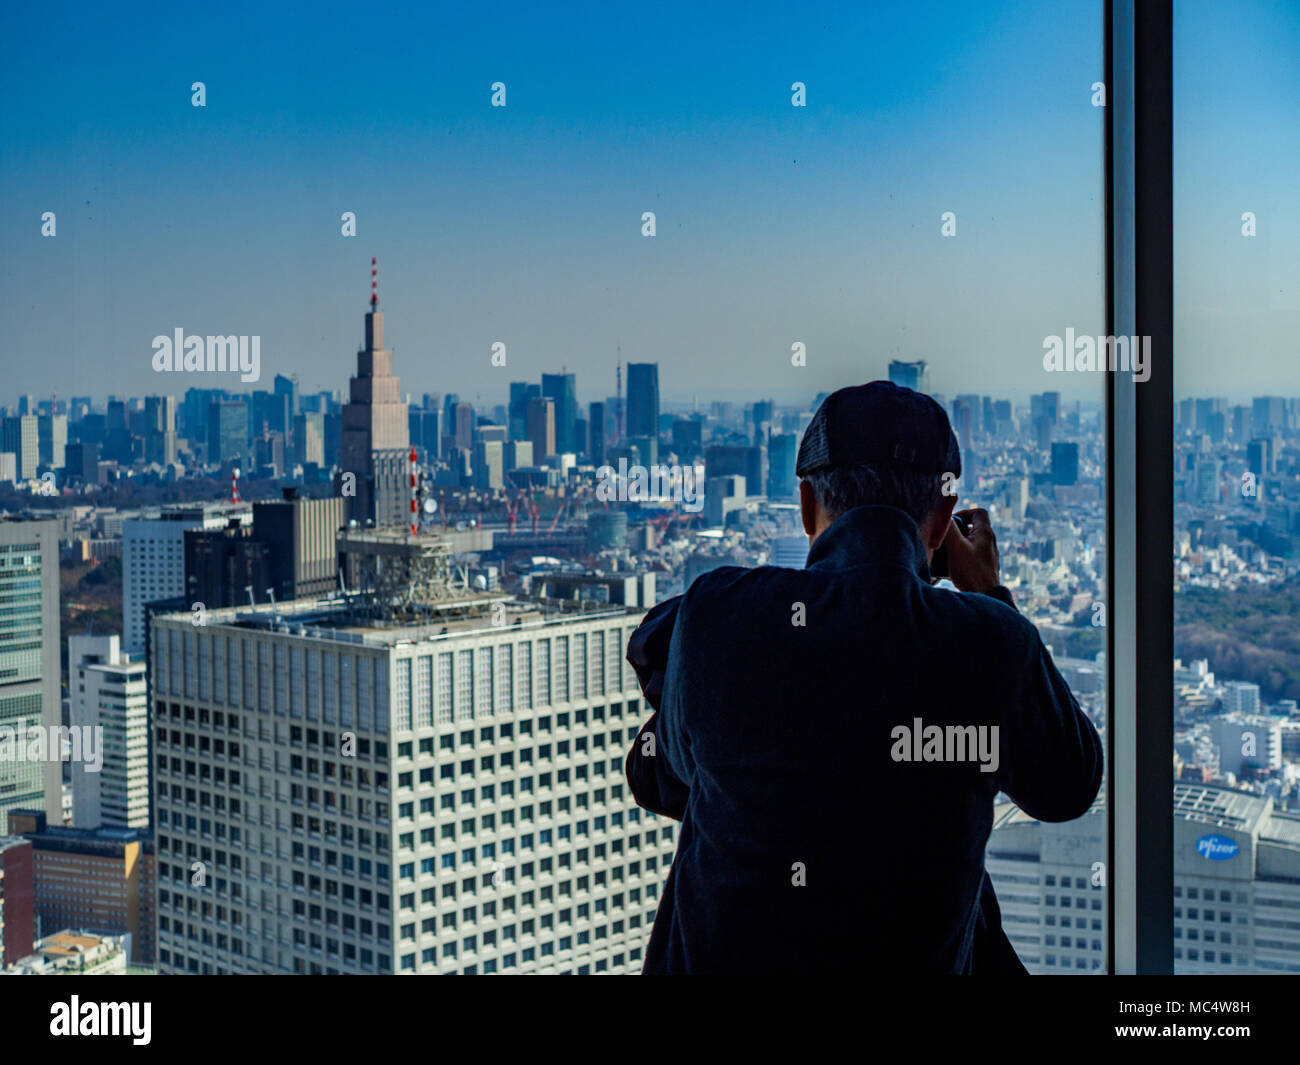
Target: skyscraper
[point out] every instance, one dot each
(288, 387)
(642, 399)
(1065, 463)
(1234, 856)
(153, 561)
(488, 459)
(160, 429)
(439, 799)
(109, 691)
(520, 393)
(52, 440)
(301, 535)
(561, 389)
(374, 450)
(309, 438)
(782, 452)
(688, 439)
(227, 431)
(29, 660)
(913, 375)
(597, 433)
(541, 428)
(20, 434)
(462, 426)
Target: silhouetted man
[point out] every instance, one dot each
(832, 738)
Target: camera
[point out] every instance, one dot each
(939, 561)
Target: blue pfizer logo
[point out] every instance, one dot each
(1216, 848)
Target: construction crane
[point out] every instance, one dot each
(556, 520)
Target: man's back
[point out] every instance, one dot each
(808, 842)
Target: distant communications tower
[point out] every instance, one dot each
(618, 395)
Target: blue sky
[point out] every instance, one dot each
(775, 224)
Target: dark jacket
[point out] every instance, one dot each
(806, 844)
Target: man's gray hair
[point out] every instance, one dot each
(841, 488)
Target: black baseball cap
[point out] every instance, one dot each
(883, 424)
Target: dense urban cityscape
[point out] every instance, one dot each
(332, 683)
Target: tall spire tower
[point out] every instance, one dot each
(375, 440)
(618, 396)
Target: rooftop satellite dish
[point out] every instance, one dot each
(430, 505)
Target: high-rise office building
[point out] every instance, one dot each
(427, 431)
(301, 534)
(1235, 862)
(782, 453)
(52, 440)
(1065, 463)
(597, 433)
(913, 375)
(561, 389)
(521, 392)
(1046, 405)
(375, 443)
(309, 438)
(109, 691)
(287, 386)
(153, 560)
(82, 463)
(541, 428)
(227, 431)
(160, 444)
(439, 799)
(29, 660)
(738, 460)
(487, 464)
(517, 453)
(227, 567)
(462, 426)
(287, 552)
(1209, 481)
(1261, 458)
(1268, 415)
(688, 439)
(642, 399)
(21, 435)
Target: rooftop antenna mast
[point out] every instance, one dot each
(415, 515)
(374, 285)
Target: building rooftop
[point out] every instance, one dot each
(351, 620)
(1219, 806)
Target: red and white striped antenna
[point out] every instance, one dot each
(415, 519)
(374, 285)
(234, 484)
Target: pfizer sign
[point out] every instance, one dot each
(1216, 848)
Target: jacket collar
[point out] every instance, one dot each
(871, 536)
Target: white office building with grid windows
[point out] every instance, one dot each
(1236, 885)
(336, 794)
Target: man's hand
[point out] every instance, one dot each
(973, 559)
